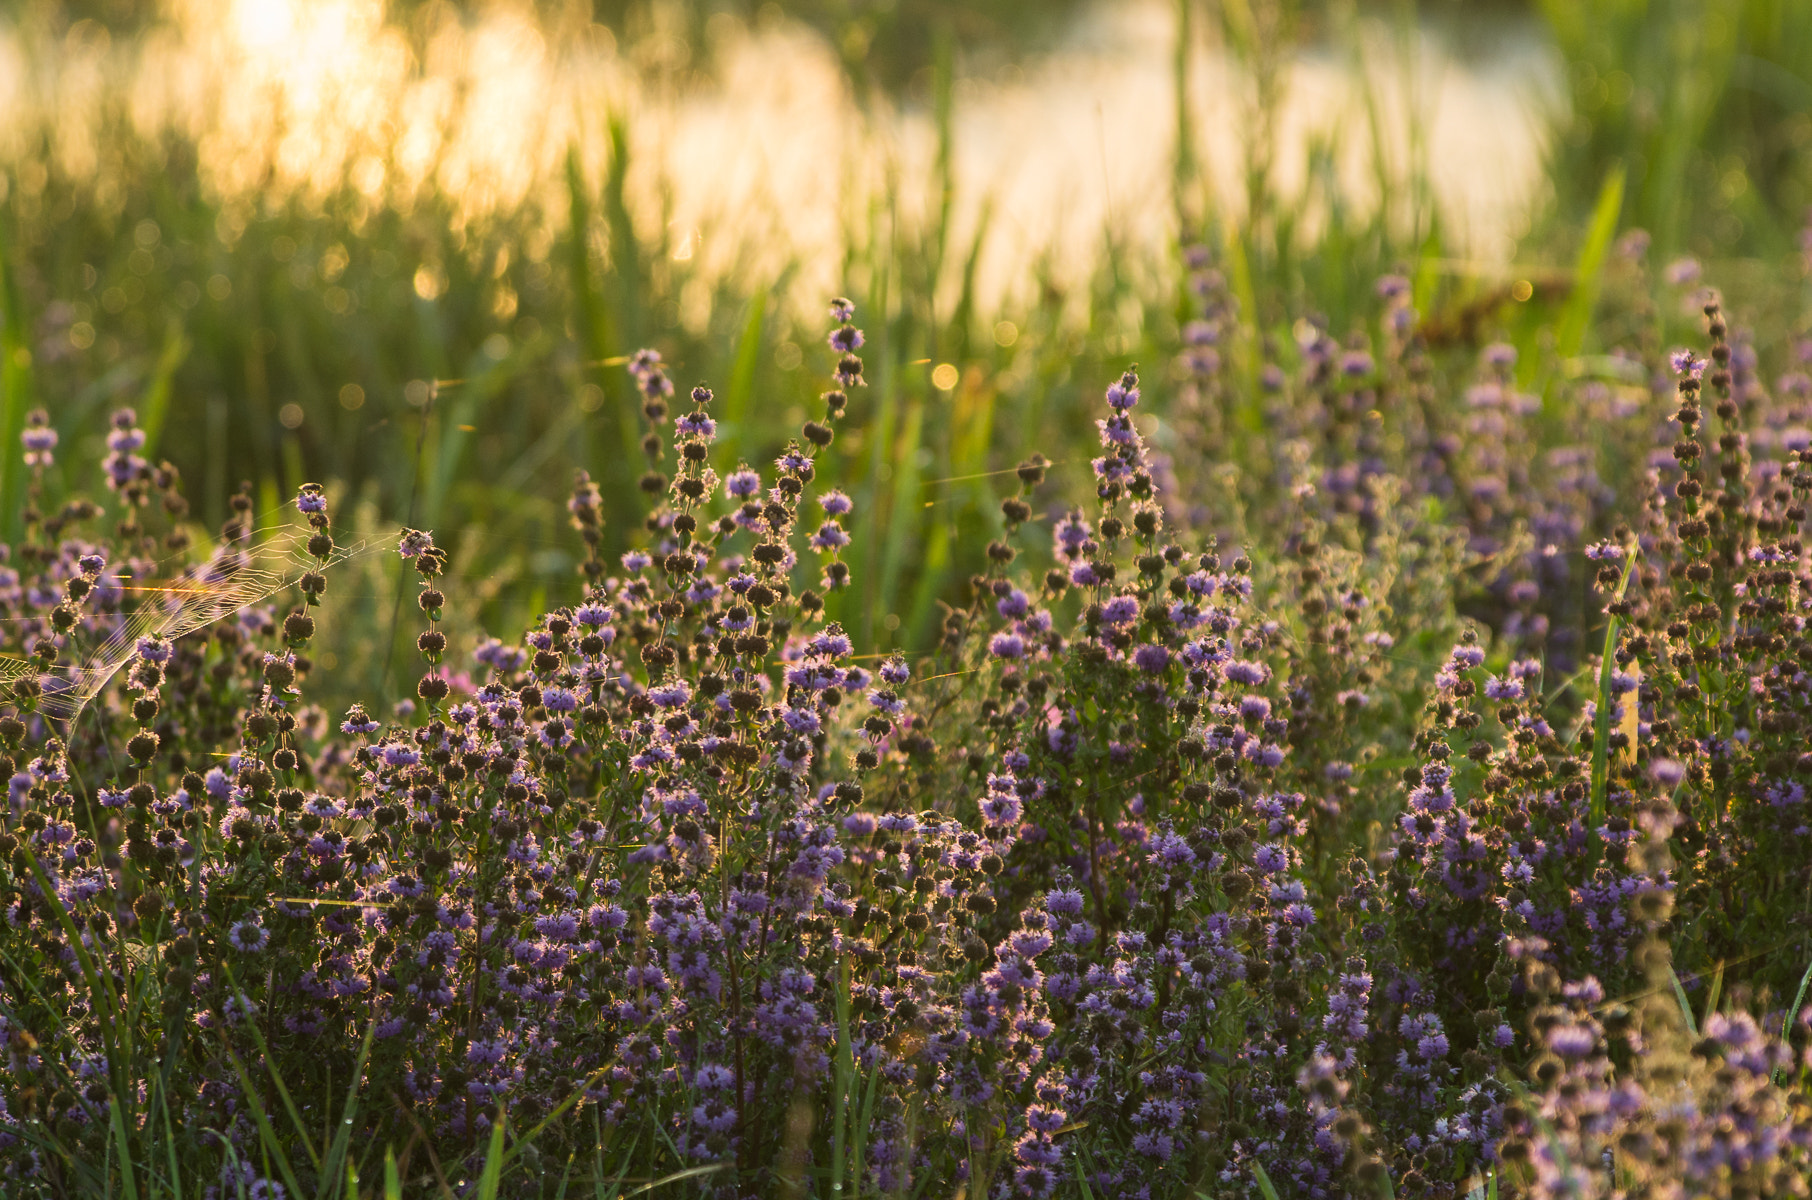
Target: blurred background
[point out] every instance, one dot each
(401, 247)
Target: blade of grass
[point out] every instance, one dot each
(270, 1067)
(1588, 272)
(1251, 414)
(739, 393)
(170, 1142)
(154, 405)
(1692, 1026)
(15, 391)
(560, 1109)
(458, 416)
(1601, 735)
(266, 1135)
(116, 1128)
(1711, 999)
(840, 1089)
(859, 1152)
(905, 517)
(688, 1173)
(1082, 1186)
(1264, 1181)
(1799, 999)
(393, 1185)
(342, 1139)
(597, 1151)
(596, 328)
(492, 1175)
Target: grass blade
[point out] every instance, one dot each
(270, 1067)
(1692, 1026)
(154, 407)
(15, 394)
(859, 1152)
(739, 394)
(1711, 998)
(492, 1175)
(1601, 735)
(266, 1134)
(393, 1185)
(1588, 273)
(1799, 999)
(170, 1142)
(117, 1130)
(342, 1138)
(597, 1152)
(688, 1173)
(1264, 1181)
(1082, 1186)
(840, 1088)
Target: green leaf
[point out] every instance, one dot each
(1264, 1181)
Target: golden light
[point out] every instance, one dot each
(263, 24)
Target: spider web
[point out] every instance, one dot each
(233, 578)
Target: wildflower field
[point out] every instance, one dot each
(498, 703)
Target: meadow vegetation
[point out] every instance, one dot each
(1294, 716)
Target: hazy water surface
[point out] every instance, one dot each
(752, 145)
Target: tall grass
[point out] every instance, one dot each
(1708, 104)
(458, 370)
